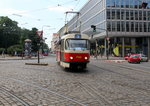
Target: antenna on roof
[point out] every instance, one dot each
(73, 12)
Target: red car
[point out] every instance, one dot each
(134, 59)
(126, 57)
(129, 54)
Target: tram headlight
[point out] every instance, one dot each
(71, 58)
(85, 58)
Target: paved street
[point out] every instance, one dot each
(103, 83)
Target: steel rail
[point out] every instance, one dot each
(14, 96)
(45, 89)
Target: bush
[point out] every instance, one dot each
(1, 50)
(15, 48)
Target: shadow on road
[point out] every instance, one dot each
(75, 70)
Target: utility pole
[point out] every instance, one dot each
(42, 41)
(106, 38)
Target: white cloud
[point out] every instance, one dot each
(10, 11)
(14, 12)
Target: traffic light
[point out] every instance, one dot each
(94, 28)
(144, 5)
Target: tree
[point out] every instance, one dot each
(15, 48)
(35, 39)
(9, 32)
(2, 50)
(45, 46)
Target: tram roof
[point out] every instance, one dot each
(72, 35)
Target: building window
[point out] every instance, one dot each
(144, 15)
(127, 3)
(118, 26)
(108, 14)
(113, 3)
(149, 27)
(132, 3)
(140, 15)
(136, 3)
(148, 5)
(140, 26)
(127, 26)
(108, 3)
(131, 15)
(127, 15)
(118, 3)
(118, 14)
(132, 26)
(136, 26)
(148, 15)
(109, 26)
(145, 27)
(113, 14)
(122, 14)
(122, 3)
(136, 15)
(113, 26)
(122, 26)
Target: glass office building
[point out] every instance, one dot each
(125, 22)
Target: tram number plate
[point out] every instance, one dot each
(79, 57)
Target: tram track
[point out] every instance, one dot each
(5, 91)
(133, 68)
(95, 94)
(127, 82)
(120, 67)
(39, 87)
(127, 75)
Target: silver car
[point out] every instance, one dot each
(143, 57)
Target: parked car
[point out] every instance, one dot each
(128, 55)
(143, 58)
(134, 59)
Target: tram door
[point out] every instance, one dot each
(62, 50)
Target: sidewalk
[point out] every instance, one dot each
(110, 59)
(17, 58)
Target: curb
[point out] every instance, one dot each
(116, 61)
(42, 64)
(19, 58)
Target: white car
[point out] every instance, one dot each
(143, 57)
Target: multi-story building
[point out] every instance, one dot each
(55, 39)
(125, 23)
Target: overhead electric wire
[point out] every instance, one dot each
(45, 8)
(76, 4)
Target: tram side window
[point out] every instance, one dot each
(62, 44)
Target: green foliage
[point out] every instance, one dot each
(14, 48)
(12, 35)
(35, 39)
(1, 50)
(9, 32)
(45, 46)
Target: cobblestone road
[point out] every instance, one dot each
(102, 84)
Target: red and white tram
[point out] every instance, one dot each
(73, 50)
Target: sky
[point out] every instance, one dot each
(46, 15)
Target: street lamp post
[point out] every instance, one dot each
(42, 35)
(107, 38)
(38, 52)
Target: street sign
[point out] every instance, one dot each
(107, 38)
(39, 33)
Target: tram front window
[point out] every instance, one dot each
(77, 44)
